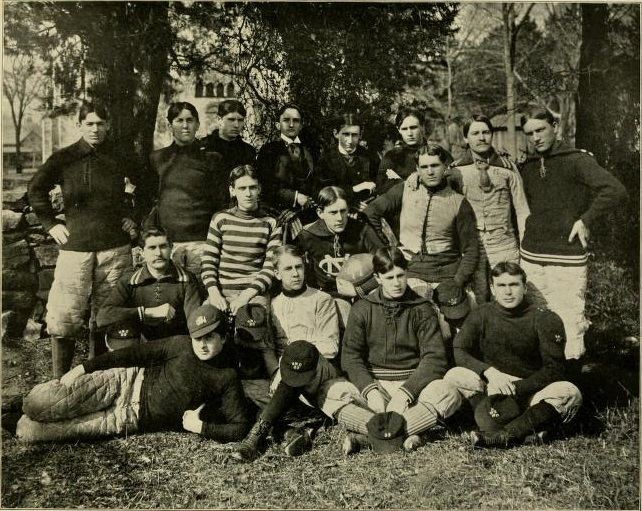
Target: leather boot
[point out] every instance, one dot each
(248, 448)
(62, 354)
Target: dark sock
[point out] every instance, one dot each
(284, 397)
(534, 419)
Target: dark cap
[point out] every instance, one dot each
(494, 412)
(451, 300)
(251, 325)
(299, 363)
(386, 432)
(204, 319)
(124, 330)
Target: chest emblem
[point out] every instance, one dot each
(332, 265)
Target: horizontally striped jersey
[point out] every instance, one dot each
(238, 250)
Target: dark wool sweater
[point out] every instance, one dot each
(176, 380)
(320, 244)
(138, 289)
(193, 186)
(335, 169)
(573, 187)
(401, 159)
(93, 188)
(281, 177)
(527, 342)
(234, 152)
(393, 340)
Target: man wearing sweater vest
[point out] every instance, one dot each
(437, 226)
(568, 194)
(94, 238)
(394, 353)
(158, 297)
(515, 349)
(189, 192)
(493, 186)
(238, 256)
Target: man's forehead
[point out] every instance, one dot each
(291, 113)
(155, 240)
(93, 118)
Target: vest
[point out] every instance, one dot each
(432, 213)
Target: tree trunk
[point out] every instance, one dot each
(508, 14)
(593, 82)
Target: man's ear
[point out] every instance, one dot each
(376, 276)
(231, 191)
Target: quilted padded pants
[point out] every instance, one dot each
(99, 404)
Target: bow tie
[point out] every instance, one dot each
(295, 151)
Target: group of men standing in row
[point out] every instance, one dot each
(383, 372)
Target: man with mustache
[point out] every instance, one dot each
(159, 296)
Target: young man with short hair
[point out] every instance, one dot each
(437, 229)
(171, 385)
(159, 296)
(568, 194)
(238, 257)
(94, 238)
(300, 312)
(492, 185)
(189, 175)
(394, 353)
(286, 166)
(515, 349)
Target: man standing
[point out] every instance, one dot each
(437, 228)
(568, 194)
(190, 188)
(494, 188)
(394, 353)
(159, 296)
(94, 240)
(515, 349)
(286, 167)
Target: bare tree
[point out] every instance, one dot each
(23, 82)
(513, 16)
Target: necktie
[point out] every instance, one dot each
(338, 250)
(484, 179)
(349, 158)
(295, 151)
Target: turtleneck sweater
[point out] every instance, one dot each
(527, 342)
(238, 250)
(190, 190)
(309, 315)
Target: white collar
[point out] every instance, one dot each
(289, 141)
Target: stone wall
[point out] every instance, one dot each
(29, 257)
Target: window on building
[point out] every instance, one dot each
(199, 89)
(220, 90)
(209, 90)
(230, 90)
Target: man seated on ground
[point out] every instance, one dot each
(333, 237)
(300, 312)
(394, 353)
(515, 350)
(304, 372)
(168, 385)
(159, 296)
(238, 269)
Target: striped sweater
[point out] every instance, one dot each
(238, 251)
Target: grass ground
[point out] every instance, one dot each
(596, 467)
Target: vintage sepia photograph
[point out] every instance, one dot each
(320, 255)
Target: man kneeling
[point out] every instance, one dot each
(164, 385)
(511, 365)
